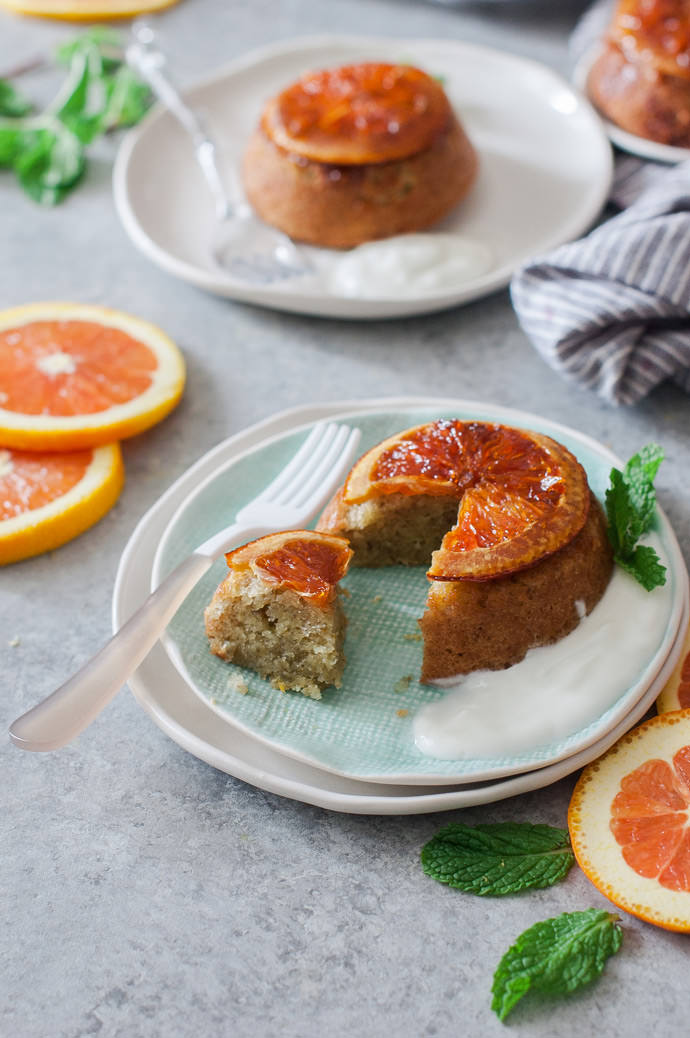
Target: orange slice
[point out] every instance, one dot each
(47, 499)
(85, 10)
(357, 114)
(74, 376)
(629, 821)
(306, 561)
(522, 496)
(675, 695)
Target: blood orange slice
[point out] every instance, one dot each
(357, 114)
(47, 499)
(74, 376)
(675, 695)
(522, 495)
(306, 561)
(85, 10)
(629, 821)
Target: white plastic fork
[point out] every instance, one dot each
(291, 501)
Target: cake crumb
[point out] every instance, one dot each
(402, 713)
(14, 642)
(377, 598)
(403, 684)
(238, 684)
(416, 636)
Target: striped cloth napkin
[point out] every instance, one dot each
(612, 311)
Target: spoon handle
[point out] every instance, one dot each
(145, 57)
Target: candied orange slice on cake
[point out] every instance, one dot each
(304, 561)
(48, 498)
(629, 821)
(522, 496)
(357, 114)
(74, 375)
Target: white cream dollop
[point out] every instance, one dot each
(395, 267)
(557, 690)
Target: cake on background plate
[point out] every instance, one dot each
(356, 153)
(641, 78)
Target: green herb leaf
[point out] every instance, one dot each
(555, 957)
(108, 42)
(50, 164)
(630, 509)
(494, 860)
(12, 103)
(128, 100)
(98, 94)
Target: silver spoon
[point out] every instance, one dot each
(242, 245)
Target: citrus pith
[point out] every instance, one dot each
(629, 821)
(85, 10)
(76, 375)
(675, 695)
(46, 499)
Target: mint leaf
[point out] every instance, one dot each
(12, 103)
(630, 510)
(494, 860)
(109, 43)
(643, 564)
(555, 957)
(50, 163)
(99, 93)
(128, 100)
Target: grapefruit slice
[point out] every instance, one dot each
(629, 821)
(46, 499)
(522, 496)
(306, 561)
(74, 376)
(85, 10)
(675, 695)
(357, 114)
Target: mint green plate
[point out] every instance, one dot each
(364, 729)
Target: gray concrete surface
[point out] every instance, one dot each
(146, 894)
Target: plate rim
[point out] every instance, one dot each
(631, 143)
(340, 306)
(499, 413)
(143, 686)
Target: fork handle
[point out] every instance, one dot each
(71, 708)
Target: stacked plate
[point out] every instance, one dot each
(355, 749)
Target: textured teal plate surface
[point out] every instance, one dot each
(364, 729)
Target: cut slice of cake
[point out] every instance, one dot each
(278, 611)
(504, 518)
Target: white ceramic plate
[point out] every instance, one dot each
(630, 142)
(357, 731)
(545, 168)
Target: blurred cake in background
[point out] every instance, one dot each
(641, 78)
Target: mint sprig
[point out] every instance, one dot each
(47, 150)
(555, 957)
(630, 509)
(495, 860)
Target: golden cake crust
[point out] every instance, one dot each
(641, 78)
(491, 625)
(342, 188)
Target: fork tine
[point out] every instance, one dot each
(339, 449)
(290, 491)
(295, 467)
